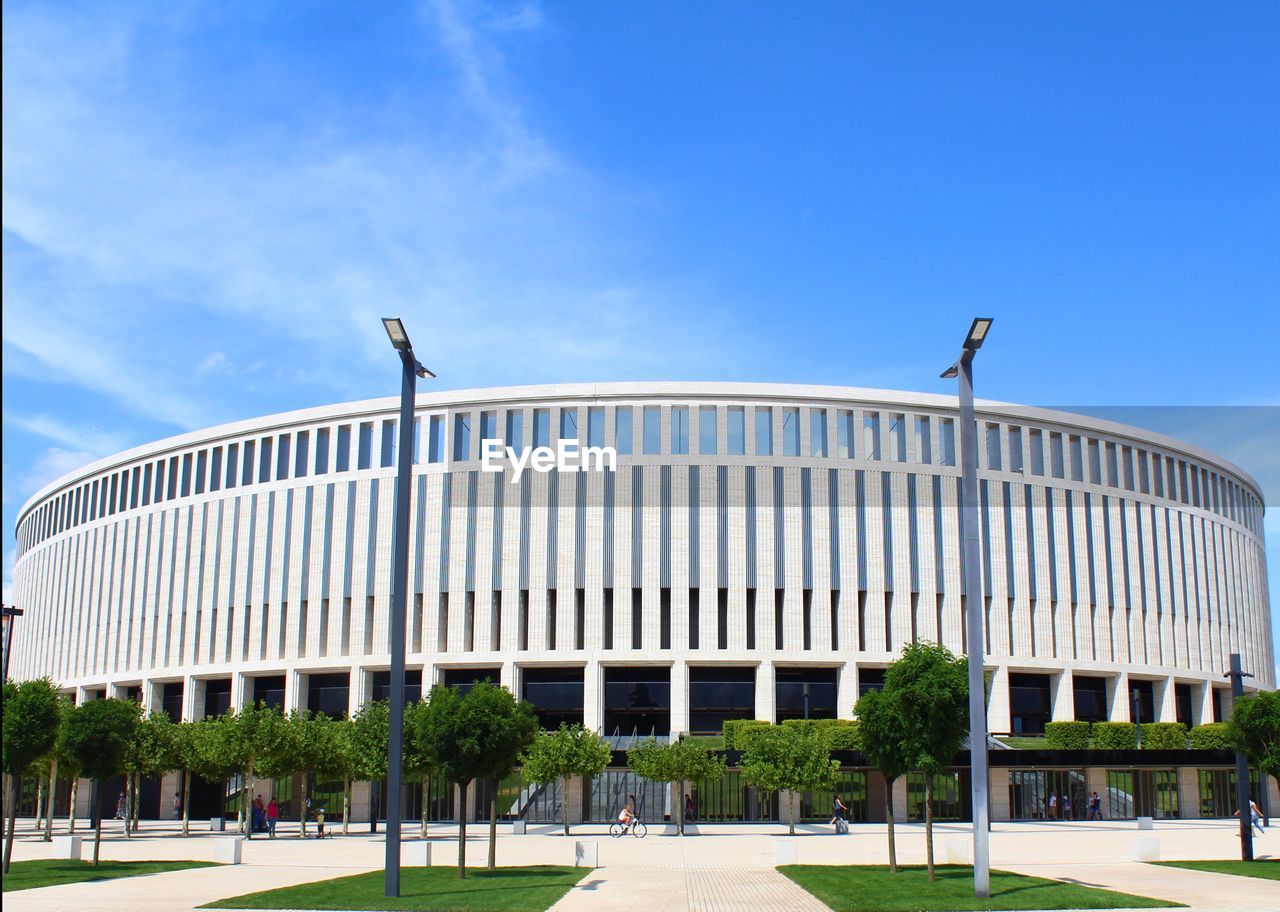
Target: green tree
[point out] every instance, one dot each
(308, 744)
(791, 760)
(570, 751)
(930, 686)
(884, 745)
(62, 766)
(677, 761)
(419, 765)
(184, 749)
(1254, 729)
(509, 729)
(211, 754)
(98, 735)
(153, 753)
(31, 717)
(367, 741)
(254, 735)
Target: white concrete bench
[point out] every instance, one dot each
(1146, 848)
(416, 854)
(67, 847)
(230, 850)
(784, 851)
(586, 855)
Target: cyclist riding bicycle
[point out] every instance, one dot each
(628, 816)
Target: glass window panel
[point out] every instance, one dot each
(764, 431)
(1037, 452)
(707, 430)
(898, 437)
(623, 422)
(595, 426)
(947, 441)
(652, 430)
(993, 447)
(435, 439)
(388, 443)
(1015, 449)
(461, 436)
(790, 432)
(364, 448)
(282, 456)
(680, 429)
(202, 467)
(343, 460)
(541, 427)
(737, 430)
(871, 435)
(818, 432)
(322, 451)
(1077, 460)
(515, 430)
(1056, 456)
(568, 424)
(488, 426)
(924, 443)
(844, 434)
(302, 452)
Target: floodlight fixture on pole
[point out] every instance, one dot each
(411, 370)
(11, 614)
(970, 554)
(1237, 674)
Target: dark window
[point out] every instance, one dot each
(1217, 704)
(1142, 701)
(1182, 698)
(466, 678)
(269, 691)
(1090, 699)
(1029, 704)
(637, 701)
(412, 685)
(718, 694)
(171, 700)
(556, 695)
(870, 679)
(217, 697)
(805, 693)
(329, 694)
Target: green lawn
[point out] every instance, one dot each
(871, 888)
(27, 875)
(529, 889)
(1268, 869)
(1025, 742)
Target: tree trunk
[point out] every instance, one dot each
(426, 790)
(246, 803)
(302, 810)
(564, 802)
(128, 805)
(462, 830)
(346, 804)
(186, 802)
(791, 812)
(71, 805)
(928, 822)
(97, 830)
(39, 802)
(493, 827)
(888, 816)
(53, 790)
(13, 820)
(680, 802)
(137, 800)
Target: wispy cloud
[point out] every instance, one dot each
(91, 439)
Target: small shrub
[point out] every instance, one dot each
(1115, 736)
(1210, 736)
(843, 734)
(1164, 736)
(1067, 735)
(738, 731)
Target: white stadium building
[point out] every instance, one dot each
(683, 554)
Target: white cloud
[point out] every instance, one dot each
(51, 464)
(91, 439)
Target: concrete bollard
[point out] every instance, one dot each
(1146, 823)
(230, 850)
(67, 847)
(416, 854)
(956, 851)
(518, 827)
(217, 824)
(1146, 848)
(585, 855)
(784, 851)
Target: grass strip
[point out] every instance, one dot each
(522, 889)
(28, 875)
(871, 888)
(1267, 869)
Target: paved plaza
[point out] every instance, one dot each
(721, 869)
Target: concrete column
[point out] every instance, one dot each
(1166, 705)
(241, 687)
(573, 799)
(999, 794)
(1202, 695)
(360, 792)
(999, 718)
(507, 678)
(593, 697)
(151, 697)
(295, 691)
(765, 694)
(679, 698)
(900, 799)
(1189, 791)
(359, 690)
(875, 797)
(1118, 698)
(1095, 780)
(170, 785)
(1064, 696)
(846, 690)
(192, 699)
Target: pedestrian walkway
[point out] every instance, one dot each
(687, 890)
(1203, 891)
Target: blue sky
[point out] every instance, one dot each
(208, 206)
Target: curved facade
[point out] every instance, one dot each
(757, 551)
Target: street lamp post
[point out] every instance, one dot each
(1237, 675)
(411, 370)
(11, 615)
(963, 371)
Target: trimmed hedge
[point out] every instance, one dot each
(1164, 736)
(1066, 735)
(843, 734)
(1210, 736)
(1115, 736)
(738, 731)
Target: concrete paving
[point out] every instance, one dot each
(725, 868)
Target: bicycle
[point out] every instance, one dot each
(617, 829)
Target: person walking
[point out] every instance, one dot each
(177, 806)
(839, 810)
(688, 808)
(320, 824)
(1255, 817)
(1066, 806)
(1053, 805)
(273, 817)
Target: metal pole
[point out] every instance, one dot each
(805, 691)
(1242, 769)
(399, 583)
(974, 629)
(11, 616)
(1137, 715)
